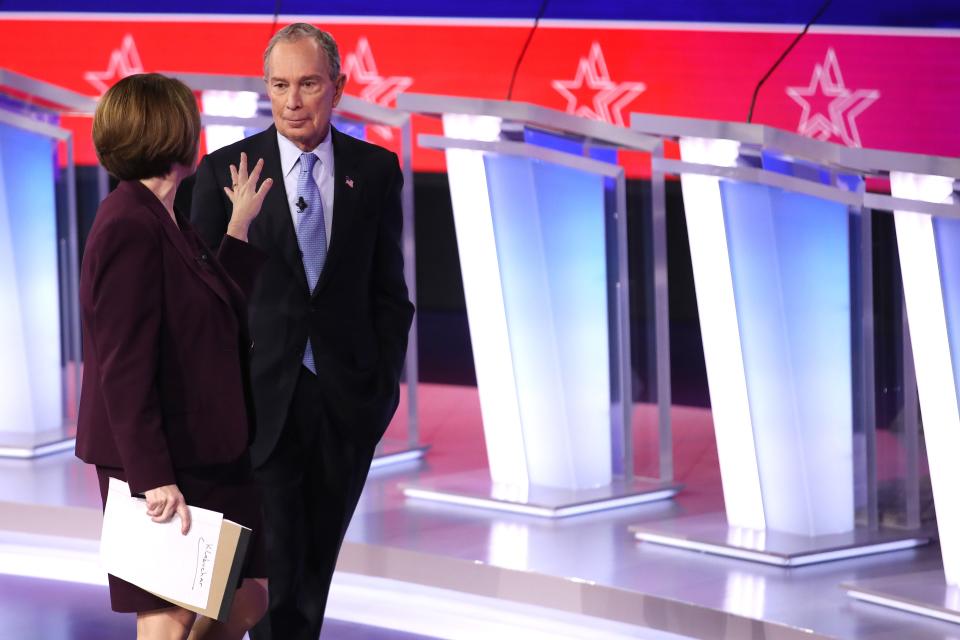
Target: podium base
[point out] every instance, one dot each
(711, 534)
(925, 593)
(475, 489)
(28, 446)
(396, 452)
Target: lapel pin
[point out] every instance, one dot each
(349, 182)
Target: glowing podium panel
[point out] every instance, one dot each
(775, 229)
(540, 215)
(925, 200)
(234, 107)
(39, 325)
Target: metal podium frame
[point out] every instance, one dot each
(915, 205)
(477, 488)
(46, 97)
(389, 452)
(712, 533)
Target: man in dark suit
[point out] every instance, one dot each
(329, 318)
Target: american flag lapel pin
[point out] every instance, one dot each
(349, 182)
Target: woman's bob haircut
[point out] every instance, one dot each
(144, 124)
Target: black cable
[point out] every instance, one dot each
(523, 52)
(276, 18)
(806, 27)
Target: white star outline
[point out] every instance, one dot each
(845, 106)
(124, 62)
(611, 97)
(361, 67)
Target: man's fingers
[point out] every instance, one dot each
(229, 193)
(184, 512)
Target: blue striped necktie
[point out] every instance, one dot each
(311, 234)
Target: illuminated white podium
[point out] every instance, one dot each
(925, 199)
(540, 212)
(39, 324)
(233, 107)
(783, 281)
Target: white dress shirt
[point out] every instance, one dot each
(323, 174)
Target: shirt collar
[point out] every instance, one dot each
(290, 153)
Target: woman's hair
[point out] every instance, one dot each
(144, 124)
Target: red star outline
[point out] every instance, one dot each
(611, 97)
(124, 62)
(845, 105)
(360, 67)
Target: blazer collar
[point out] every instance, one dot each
(198, 264)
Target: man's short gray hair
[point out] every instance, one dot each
(298, 31)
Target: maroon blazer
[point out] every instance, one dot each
(165, 342)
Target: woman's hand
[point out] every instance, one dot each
(165, 501)
(245, 196)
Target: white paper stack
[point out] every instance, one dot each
(198, 571)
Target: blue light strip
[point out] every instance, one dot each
(946, 233)
(790, 262)
(31, 370)
(550, 232)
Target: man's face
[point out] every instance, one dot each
(302, 95)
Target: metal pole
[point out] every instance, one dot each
(411, 362)
(868, 408)
(911, 426)
(662, 318)
(73, 269)
(623, 331)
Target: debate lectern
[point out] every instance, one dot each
(540, 212)
(925, 201)
(40, 323)
(782, 264)
(233, 107)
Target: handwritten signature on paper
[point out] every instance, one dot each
(204, 559)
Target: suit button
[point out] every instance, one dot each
(251, 345)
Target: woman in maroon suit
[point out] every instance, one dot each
(166, 404)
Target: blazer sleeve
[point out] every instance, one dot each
(208, 213)
(393, 311)
(127, 299)
(242, 261)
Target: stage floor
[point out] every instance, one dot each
(587, 564)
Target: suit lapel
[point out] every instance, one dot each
(176, 238)
(346, 195)
(276, 208)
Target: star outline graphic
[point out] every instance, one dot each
(610, 99)
(360, 66)
(123, 62)
(845, 105)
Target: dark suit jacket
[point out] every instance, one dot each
(165, 343)
(359, 314)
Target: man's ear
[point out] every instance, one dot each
(341, 83)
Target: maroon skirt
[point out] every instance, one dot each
(227, 488)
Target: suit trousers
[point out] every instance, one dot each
(310, 486)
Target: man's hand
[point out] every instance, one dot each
(165, 501)
(245, 196)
